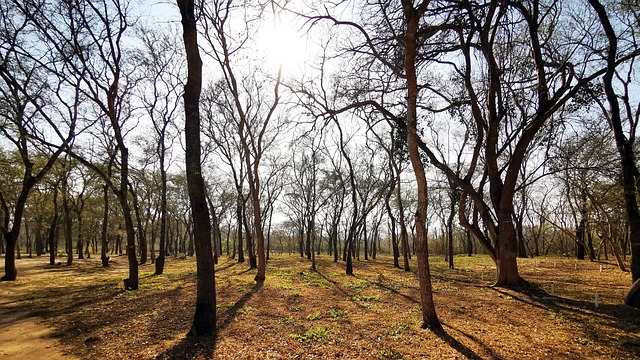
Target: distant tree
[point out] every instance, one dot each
(251, 109)
(161, 68)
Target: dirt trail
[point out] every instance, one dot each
(23, 335)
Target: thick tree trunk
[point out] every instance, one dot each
(10, 270)
(11, 236)
(204, 320)
(506, 253)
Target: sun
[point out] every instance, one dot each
(282, 45)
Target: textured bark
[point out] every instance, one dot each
(412, 16)
(506, 253)
(204, 320)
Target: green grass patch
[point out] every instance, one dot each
(286, 320)
(247, 309)
(312, 335)
(391, 354)
(314, 316)
(338, 314)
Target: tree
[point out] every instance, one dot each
(411, 40)
(399, 35)
(24, 94)
(204, 319)
(630, 174)
(161, 67)
(244, 100)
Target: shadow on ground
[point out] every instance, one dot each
(204, 346)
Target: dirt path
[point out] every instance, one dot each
(24, 337)
(23, 334)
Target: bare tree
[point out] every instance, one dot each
(630, 174)
(162, 66)
(24, 96)
(204, 319)
(246, 99)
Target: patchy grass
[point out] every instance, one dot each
(300, 313)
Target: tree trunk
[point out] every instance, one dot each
(429, 318)
(253, 263)
(68, 236)
(506, 253)
(79, 242)
(625, 147)
(204, 320)
(142, 238)
(239, 216)
(104, 236)
(334, 239)
(10, 270)
(53, 229)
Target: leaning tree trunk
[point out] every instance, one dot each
(11, 237)
(204, 319)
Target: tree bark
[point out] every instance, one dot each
(204, 320)
(412, 16)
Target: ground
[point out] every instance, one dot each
(82, 311)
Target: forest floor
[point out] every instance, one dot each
(81, 311)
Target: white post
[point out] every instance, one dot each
(597, 300)
(601, 268)
(575, 266)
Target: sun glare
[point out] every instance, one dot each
(282, 45)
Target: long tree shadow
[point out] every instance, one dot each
(441, 333)
(204, 346)
(461, 348)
